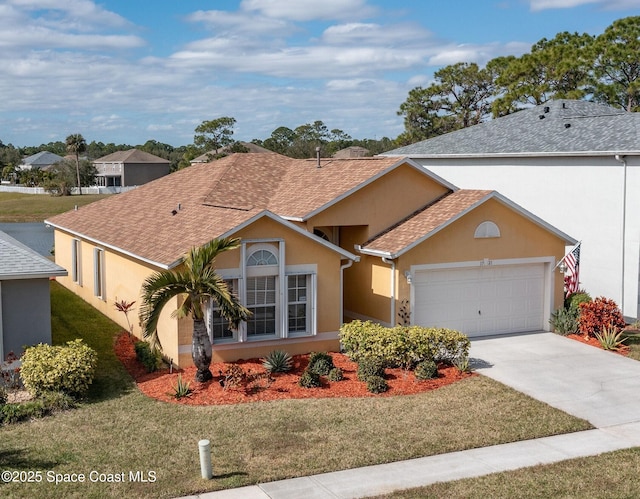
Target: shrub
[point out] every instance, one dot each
(564, 321)
(277, 361)
(462, 364)
(336, 374)
(598, 314)
(377, 384)
(68, 369)
(370, 367)
(181, 388)
(149, 357)
(42, 406)
(610, 338)
(320, 363)
(427, 369)
(402, 346)
(574, 300)
(309, 379)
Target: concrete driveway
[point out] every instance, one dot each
(590, 383)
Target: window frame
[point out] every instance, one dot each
(99, 285)
(76, 261)
(281, 272)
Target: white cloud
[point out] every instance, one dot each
(309, 10)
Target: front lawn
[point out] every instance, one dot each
(118, 430)
(609, 475)
(18, 207)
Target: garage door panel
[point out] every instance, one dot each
(481, 300)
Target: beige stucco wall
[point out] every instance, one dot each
(520, 238)
(125, 276)
(123, 281)
(382, 203)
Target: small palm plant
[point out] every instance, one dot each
(181, 388)
(277, 361)
(610, 338)
(198, 282)
(125, 307)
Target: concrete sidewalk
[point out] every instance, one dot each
(579, 379)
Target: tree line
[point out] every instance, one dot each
(603, 68)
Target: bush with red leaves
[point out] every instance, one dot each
(597, 314)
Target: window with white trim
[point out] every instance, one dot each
(220, 328)
(76, 262)
(281, 298)
(298, 303)
(98, 274)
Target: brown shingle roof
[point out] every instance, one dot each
(131, 156)
(421, 224)
(214, 198)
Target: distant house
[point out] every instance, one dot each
(129, 168)
(352, 152)
(210, 155)
(42, 161)
(574, 163)
(25, 308)
(322, 242)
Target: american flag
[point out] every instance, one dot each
(572, 261)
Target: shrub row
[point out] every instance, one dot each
(403, 346)
(45, 404)
(68, 369)
(150, 357)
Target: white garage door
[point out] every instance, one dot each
(481, 300)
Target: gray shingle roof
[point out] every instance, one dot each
(42, 158)
(17, 261)
(561, 126)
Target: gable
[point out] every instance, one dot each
(449, 211)
(383, 202)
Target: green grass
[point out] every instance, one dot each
(119, 430)
(610, 475)
(17, 207)
(633, 342)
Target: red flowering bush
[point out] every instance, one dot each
(598, 314)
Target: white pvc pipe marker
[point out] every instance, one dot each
(205, 459)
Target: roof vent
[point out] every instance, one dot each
(567, 125)
(564, 105)
(546, 109)
(542, 116)
(318, 157)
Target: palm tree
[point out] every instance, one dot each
(199, 283)
(75, 145)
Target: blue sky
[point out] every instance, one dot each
(127, 71)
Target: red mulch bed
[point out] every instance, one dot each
(160, 384)
(590, 340)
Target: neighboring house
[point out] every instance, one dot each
(322, 242)
(25, 307)
(209, 156)
(573, 163)
(42, 161)
(129, 168)
(352, 152)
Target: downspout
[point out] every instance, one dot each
(393, 289)
(342, 269)
(623, 161)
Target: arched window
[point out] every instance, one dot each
(487, 230)
(262, 257)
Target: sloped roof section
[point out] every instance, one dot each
(425, 223)
(556, 127)
(21, 262)
(42, 158)
(131, 156)
(161, 220)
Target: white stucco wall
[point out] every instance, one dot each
(582, 196)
